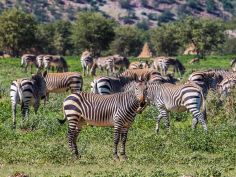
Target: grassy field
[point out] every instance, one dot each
(39, 146)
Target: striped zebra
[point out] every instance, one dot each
(116, 110)
(138, 65)
(209, 79)
(103, 63)
(55, 61)
(226, 85)
(163, 63)
(39, 60)
(61, 82)
(108, 85)
(26, 92)
(169, 97)
(120, 62)
(139, 74)
(28, 60)
(233, 64)
(86, 61)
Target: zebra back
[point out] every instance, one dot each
(60, 82)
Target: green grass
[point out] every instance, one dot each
(39, 146)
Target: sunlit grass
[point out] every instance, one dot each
(39, 147)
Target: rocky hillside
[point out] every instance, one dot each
(150, 12)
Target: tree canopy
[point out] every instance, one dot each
(17, 31)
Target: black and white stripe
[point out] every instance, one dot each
(55, 61)
(28, 60)
(26, 92)
(116, 110)
(86, 61)
(103, 63)
(61, 82)
(169, 97)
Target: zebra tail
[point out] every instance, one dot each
(20, 92)
(62, 121)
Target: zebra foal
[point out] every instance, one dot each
(26, 92)
(179, 98)
(61, 82)
(117, 110)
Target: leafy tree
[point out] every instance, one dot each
(17, 31)
(143, 24)
(165, 39)
(211, 6)
(62, 40)
(206, 35)
(92, 31)
(165, 17)
(45, 38)
(128, 40)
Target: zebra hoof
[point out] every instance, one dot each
(116, 158)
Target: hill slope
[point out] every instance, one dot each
(125, 11)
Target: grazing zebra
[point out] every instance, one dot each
(169, 97)
(138, 65)
(163, 64)
(86, 61)
(28, 60)
(120, 62)
(61, 82)
(26, 92)
(39, 60)
(209, 79)
(102, 63)
(107, 85)
(55, 61)
(227, 85)
(116, 110)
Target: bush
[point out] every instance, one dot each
(165, 17)
(152, 16)
(125, 4)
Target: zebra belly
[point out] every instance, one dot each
(100, 123)
(57, 90)
(178, 109)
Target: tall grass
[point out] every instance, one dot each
(38, 147)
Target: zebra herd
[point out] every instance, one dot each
(115, 100)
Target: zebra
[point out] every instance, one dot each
(225, 86)
(209, 79)
(61, 82)
(169, 97)
(39, 60)
(139, 74)
(102, 63)
(233, 64)
(107, 85)
(120, 62)
(163, 64)
(26, 92)
(116, 110)
(138, 65)
(55, 61)
(28, 60)
(86, 61)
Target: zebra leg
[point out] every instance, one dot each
(162, 114)
(36, 105)
(124, 134)
(116, 142)
(14, 115)
(198, 116)
(73, 132)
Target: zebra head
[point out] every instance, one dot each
(140, 90)
(47, 61)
